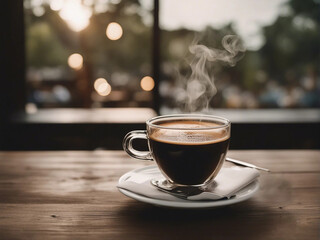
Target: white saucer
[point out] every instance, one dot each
(240, 196)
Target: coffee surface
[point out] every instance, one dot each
(189, 132)
(191, 154)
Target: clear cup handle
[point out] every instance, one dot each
(127, 145)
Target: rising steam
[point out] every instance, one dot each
(200, 86)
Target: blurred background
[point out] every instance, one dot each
(99, 53)
(80, 74)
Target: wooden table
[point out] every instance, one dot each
(73, 195)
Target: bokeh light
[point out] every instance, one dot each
(75, 61)
(76, 15)
(31, 108)
(38, 11)
(147, 83)
(102, 87)
(114, 31)
(56, 5)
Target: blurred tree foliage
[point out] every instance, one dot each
(44, 47)
(291, 49)
(50, 41)
(292, 42)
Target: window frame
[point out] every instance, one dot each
(247, 134)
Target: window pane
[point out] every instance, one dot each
(280, 68)
(88, 53)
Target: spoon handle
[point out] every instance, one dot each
(238, 162)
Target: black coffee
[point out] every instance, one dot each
(189, 157)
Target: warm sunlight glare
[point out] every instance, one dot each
(75, 61)
(147, 83)
(114, 31)
(76, 15)
(102, 87)
(56, 5)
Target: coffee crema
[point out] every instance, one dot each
(190, 153)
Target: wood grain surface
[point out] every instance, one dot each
(73, 195)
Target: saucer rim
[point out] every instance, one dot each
(242, 195)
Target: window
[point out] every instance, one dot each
(91, 53)
(98, 53)
(280, 68)
(82, 64)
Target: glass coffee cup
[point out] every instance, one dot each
(189, 149)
